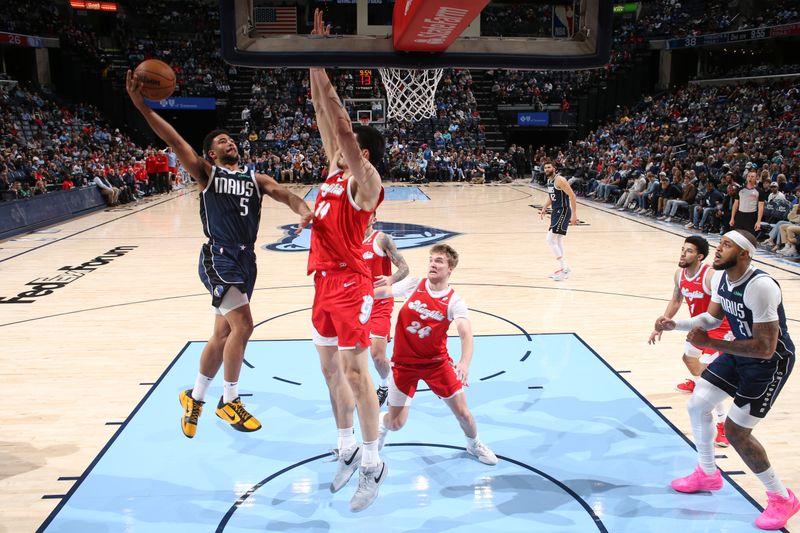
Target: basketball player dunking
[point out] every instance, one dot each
(230, 210)
(753, 369)
(693, 283)
(565, 212)
(380, 252)
(343, 295)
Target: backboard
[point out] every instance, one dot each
(557, 34)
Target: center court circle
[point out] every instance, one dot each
(455, 491)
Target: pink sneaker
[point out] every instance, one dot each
(697, 481)
(779, 510)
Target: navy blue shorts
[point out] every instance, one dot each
(753, 382)
(559, 220)
(224, 266)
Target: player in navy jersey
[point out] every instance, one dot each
(753, 369)
(561, 198)
(230, 210)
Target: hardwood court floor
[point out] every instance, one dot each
(78, 359)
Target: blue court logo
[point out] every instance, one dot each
(404, 235)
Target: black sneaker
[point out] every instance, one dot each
(383, 393)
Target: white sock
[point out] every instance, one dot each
(369, 454)
(385, 381)
(719, 412)
(345, 438)
(230, 391)
(771, 482)
(472, 442)
(562, 263)
(200, 388)
(381, 416)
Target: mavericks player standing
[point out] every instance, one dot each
(562, 199)
(753, 369)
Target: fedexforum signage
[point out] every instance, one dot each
(67, 274)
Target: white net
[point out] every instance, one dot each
(411, 92)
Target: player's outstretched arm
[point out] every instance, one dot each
(464, 328)
(199, 168)
(279, 193)
(388, 245)
(672, 307)
(365, 175)
(320, 86)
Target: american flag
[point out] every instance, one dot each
(275, 20)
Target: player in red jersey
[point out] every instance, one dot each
(343, 283)
(693, 284)
(380, 252)
(420, 349)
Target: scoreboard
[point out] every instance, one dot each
(364, 82)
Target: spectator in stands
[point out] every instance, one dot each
(702, 214)
(688, 192)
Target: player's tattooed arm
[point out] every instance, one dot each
(389, 246)
(761, 346)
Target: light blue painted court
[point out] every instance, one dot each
(390, 194)
(579, 449)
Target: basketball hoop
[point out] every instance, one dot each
(411, 92)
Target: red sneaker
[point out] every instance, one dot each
(721, 440)
(779, 510)
(697, 481)
(686, 386)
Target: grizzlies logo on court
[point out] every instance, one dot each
(404, 235)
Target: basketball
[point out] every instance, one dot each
(158, 79)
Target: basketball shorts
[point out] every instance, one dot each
(559, 221)
(342, 308)
(222, 266)
(380, 323)
(753, 383)
(440, 376)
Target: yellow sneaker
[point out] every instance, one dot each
(191, 412)
(237, 416)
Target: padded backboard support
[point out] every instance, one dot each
(588, 48)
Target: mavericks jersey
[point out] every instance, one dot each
(338, 230)
(230, 206)
(558, 198)
(740, 316)
(697, 299)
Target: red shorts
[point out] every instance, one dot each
(380, 323)
(342, 308)
(172, 170)
(440, 376)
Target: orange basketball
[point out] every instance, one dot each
(158, 79)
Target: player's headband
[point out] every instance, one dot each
(741, 241)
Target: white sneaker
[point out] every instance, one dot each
(347, 463)
(369, 481)
(689, 225)
(562, 274)
(482, 453)
(555, 274)
(668, 219)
